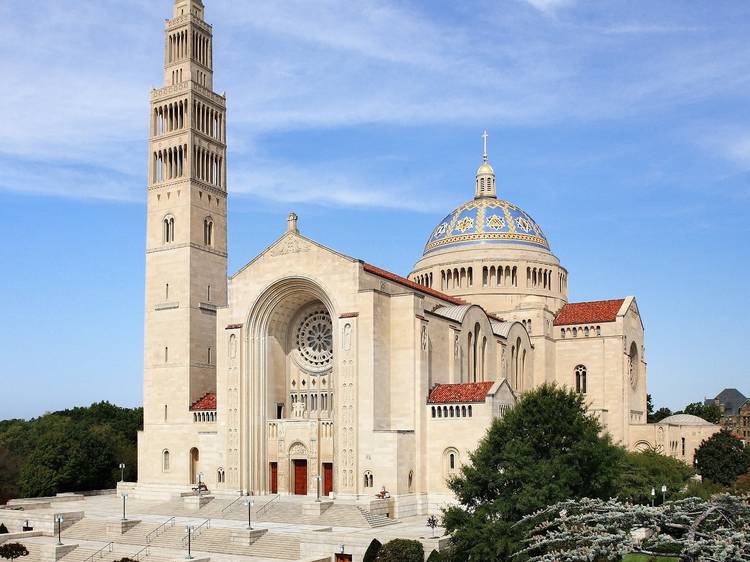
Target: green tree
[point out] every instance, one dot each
(640, 472)
(710, 413)
(722, 458)
(742, 484)
(371, 554)
(435, 556)
(660, 414)
(401, 550)
(546, 449)
(13, 550)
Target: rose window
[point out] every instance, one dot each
(315, 340)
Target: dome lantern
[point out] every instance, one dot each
(485, 184)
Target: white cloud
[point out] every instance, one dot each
(549, 6)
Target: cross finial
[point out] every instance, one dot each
(484, 136)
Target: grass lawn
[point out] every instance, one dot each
(647, 558)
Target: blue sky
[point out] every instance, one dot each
(621, 127)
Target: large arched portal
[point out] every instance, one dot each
(291, 376)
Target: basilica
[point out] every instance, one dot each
(311, 372)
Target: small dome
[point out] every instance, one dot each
(684, 419)
(485, 169)
(486, 220)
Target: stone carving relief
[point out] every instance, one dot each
(347, 337)
(424, 338)
(292, 245)
(297, 450)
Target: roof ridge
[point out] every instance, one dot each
(375, 270)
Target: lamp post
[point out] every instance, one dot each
(200, 483)
(318, 479)
(122, 472)
(653, 495)
(189, 529)
(249, 503)
(59, 520)
(124, 498)
(664, 493)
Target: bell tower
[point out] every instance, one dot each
(186, 243)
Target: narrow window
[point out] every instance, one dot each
(166, 292)
(580, 372)
(165, 412)
(209, 355)
(452, 461)
(165, 460)
(208, 293)
(166, 355)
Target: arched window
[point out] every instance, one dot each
(165, 460)
(463, 411)
(433, 411)
(220, 475)
(440, 412)
(411, 481)
(168, 229)
(469, 411)
(581, 379)
(450, 461)
(368, 479)
(451, 411)
(208, 231)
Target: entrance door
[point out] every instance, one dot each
(300, 477)
(343, 558)
(274, 478)
(327, 478)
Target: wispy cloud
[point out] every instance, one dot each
(79, 90)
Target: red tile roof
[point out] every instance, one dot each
(464, 392)
(586, 312)
(208, 402)
(408, 283)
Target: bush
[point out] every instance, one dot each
(742, 485)
(3, 529)
(371, 555)
(722, 458)
(13, 550)
(401, 550)
(703, 490)
(435, 556)
(639, 472)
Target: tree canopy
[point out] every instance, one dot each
(401, 550)
(709, 412)
(591, 529)
(640, 472)
(544, 450)
(722, 458)
(67, 451)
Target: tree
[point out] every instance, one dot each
(710, 413)
(13, 550)
(371, 554)
(640, 472)
(401, 550)
(546, 449)
(432, 522)
(3, 529)
(435, 556)
(722, 458)
(599, 530)
(660, 414)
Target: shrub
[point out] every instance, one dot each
(742, 484)
(401, 550)
(3, 529)
(13, 550)
(371, 555)
(435, 556)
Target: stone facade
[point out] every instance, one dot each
(310, 372)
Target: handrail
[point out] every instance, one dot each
(159, 528)
(100, 552)
(233, 502)
(196, 531)
(263, 508)
(137, 555)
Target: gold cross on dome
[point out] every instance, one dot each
(484, 136)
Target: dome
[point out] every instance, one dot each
(486, 220)
(684, 419)
(485, 169)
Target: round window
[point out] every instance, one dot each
(314, 340)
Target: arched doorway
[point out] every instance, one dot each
(298, 473)
(291, 376)
(194, 460)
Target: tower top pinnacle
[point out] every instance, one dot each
(184, 7)
(485, 184)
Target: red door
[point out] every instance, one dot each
(274, 478)
(300, 477)
(343, 558)
(327, 478)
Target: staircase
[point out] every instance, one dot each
(376, 520)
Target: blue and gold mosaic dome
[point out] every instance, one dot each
(486, 220)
